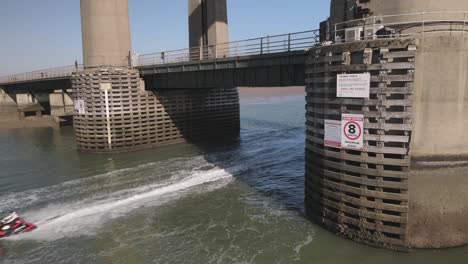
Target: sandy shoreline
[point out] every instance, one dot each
(266, 92)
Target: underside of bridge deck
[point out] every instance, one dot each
(269, 70)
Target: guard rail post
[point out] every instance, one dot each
(261, 46)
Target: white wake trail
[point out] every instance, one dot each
(84, 218)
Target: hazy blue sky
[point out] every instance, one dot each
(38, 34)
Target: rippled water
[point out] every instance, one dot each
(240, 202)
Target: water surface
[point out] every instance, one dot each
(238, 202)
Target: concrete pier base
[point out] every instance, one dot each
(407, 188)
(24, 111)
(438, 212)
(62, 107)
(438, 181)
(8, 110)
(133, 118)
(61, 103)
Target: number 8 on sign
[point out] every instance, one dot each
(352, 130)
(352, 133)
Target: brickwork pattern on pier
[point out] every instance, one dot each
(362, 195)
(141, 119)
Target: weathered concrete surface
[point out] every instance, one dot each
(441, 97)
(6, 99)
(105, 32)
(8, 110)
(344, 10)
(26, 99)
(341, 10)
(13, 108)
(385, 7)
(61, 104)
(438, 181)
(208, 26)
(30, 122)
(29, 103)
(196, 29)
(438, 215)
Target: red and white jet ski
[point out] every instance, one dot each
(13, 225)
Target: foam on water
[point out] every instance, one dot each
(87, 215)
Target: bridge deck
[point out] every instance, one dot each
(278, 50)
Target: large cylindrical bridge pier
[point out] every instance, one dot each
(406, 186)
(114, 111)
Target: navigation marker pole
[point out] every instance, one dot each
(106, 87)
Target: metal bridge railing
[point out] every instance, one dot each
(256, 46)
(59, 72)
(401, 25)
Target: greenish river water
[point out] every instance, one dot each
(240, 202)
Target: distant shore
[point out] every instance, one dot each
(265, 92)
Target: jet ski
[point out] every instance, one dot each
(14, 225)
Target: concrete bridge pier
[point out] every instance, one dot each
(407, 186)
(30, 104)
(61, 105)
(115, 111)
(22, 110)
(9, 114)
(208, 29)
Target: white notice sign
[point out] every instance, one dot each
(80, 106)
(333, 133)
(352, 131)
(105, 86)
(353, 85)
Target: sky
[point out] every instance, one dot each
(40, 34)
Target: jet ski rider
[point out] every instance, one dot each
(5, 224)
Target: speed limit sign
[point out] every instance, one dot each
(352, 126)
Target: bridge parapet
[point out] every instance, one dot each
(53, 73)
(256, 46)
(399, 25)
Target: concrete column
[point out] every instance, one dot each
(105, 32)
(29, 104)
(8, 108)
(24, 100)
(5, 98)
(208, 27)
(61, 104)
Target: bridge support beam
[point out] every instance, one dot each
(208, 29)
